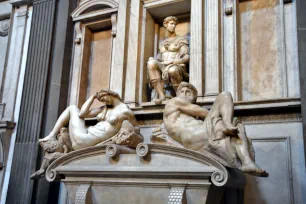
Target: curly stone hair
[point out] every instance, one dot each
(105, 92)
(191, 87)
(168, 19)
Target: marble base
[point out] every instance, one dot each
(152, 174)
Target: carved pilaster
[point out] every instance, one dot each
(31, 121)
(213, 47)
(120, 48)
(228, 7)
(134, 52)
(114, 24)
(197, 46)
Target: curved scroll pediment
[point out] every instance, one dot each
(89, 8)
(164, 161)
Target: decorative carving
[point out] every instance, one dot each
(228, 7)
(177, 196)
(115, 150)
(114, 24)
(4, 27)
(205, 158)
(53, 149)
(128, 136)
(169, 67)
(143, 150)
(83, 194)
(218, 133)
(78, 31)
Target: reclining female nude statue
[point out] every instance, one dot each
(198, 129)
(170, 64)
(110, 119)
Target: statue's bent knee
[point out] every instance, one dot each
(152, 64)
(174, 71)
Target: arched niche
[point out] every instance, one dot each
(95, 36)
(93, 9)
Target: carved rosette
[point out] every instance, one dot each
(4, 27)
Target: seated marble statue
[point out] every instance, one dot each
(198, 129)
(169, 67)
(110, 119)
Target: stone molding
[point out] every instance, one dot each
(80, 12)
(277, 118)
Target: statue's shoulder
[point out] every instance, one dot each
(183, 39)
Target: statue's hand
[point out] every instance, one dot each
(113, 120)
(167, 62)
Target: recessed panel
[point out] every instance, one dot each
(260, 50)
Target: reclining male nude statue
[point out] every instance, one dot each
(110, 119)
(198, 129)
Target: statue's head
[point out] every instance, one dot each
(187, 91)
(107, 96)
(170, 23)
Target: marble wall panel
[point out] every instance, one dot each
(100, 62)
(260, 50)
(279, 150)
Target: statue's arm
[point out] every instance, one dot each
(190, 109)
(183, 53)
(85, 111)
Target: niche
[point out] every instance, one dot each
(154, 33)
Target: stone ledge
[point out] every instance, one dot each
(7, 125)
(149, 108)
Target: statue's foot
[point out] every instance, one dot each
(254, 170)
(48, 138)
(231, 131)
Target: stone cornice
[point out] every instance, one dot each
(149, 108)
(21, 2)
